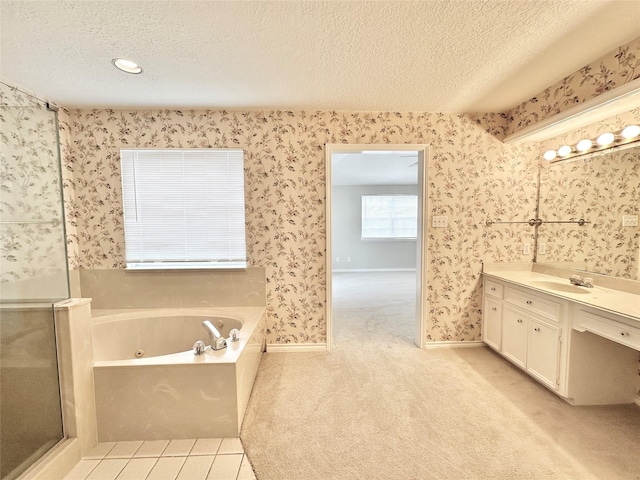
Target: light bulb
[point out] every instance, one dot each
(631, 131)
(564, 150)
(606, 139)
(549, 155)
(584, 145)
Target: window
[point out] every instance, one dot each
(183, 208)
(389, 217)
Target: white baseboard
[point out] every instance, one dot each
(429, 345)
(296, 347)
(350, 270)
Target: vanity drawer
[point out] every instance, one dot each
(493, 289)
(533, 303)
(614, 331)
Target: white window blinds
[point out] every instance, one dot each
(389, 216)
(183, 208)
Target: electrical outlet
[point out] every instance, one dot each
(439, 222)
(630, 220)
(542, 248)
(526, 248)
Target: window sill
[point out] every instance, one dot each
(186, 266)
(388, 239)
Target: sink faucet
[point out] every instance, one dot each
(581, 281)
(218, 342)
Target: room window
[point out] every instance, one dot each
(183, 208)
(393, 217)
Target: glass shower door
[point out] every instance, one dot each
(33, 276)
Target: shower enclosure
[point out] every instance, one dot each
(33, 276)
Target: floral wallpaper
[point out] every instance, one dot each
(600, 189)
(64, 134)
(32, 239)
(608, 72)
(473, 177)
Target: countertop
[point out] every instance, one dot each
(608, 299)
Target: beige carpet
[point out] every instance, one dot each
(379, 408)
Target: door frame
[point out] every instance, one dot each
(421, 242)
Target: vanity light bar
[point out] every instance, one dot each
(605, 141)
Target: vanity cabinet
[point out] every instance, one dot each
(587, 355)
(533, 345)
(527, 329)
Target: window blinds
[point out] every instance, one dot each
(183, 208)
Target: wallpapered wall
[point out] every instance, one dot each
(612, 70)
(472, 177)
(600, 189)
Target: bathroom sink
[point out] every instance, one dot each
(561, 287)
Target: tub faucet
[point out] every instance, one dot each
(218, 342)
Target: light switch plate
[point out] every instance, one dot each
(542, 248)
(526, 248)
(439, 222)
(630, 220)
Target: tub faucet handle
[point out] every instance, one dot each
(198, 347)
(234, 335)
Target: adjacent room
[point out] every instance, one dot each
(374, 237)
(325, 239)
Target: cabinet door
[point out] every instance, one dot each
(492, 323)
(514, 335)
(543, 352)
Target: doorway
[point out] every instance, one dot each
(369, 261)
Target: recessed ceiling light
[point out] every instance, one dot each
(126, 65)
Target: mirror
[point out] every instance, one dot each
(604, 190)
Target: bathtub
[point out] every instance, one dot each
(150, 386)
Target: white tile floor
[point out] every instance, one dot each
(201, 459)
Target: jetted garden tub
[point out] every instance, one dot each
(149, 384)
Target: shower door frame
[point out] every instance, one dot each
(421, 241)
(48, 302)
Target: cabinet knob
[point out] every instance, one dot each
(529, 302)
(624, 334)
(494, 309)
(537, 329)
(519, 320)
(493, 289)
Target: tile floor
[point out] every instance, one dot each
(201, 459)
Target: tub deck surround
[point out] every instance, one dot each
(178, 395)
(131, 289)
(619, 296)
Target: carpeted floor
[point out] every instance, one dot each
(377, 407)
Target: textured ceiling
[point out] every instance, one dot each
(441, 56)
(374, 168)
